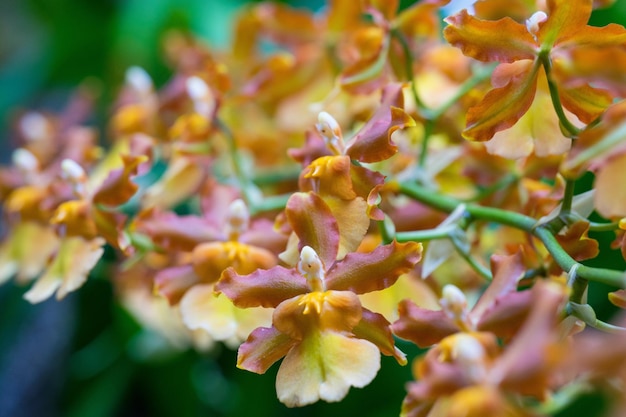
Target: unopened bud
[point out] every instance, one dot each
(201, 95)
(139, 80)
(25, 161)
(35, 127)
(72, 170)
(75, 174)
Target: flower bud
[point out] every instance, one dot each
(139, 80)
(25, 161)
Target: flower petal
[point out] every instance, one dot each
(610, 196)
(265, 288)
(74, 260)
(264, 346)
(507, 272)
(502, 40)
(299, 316)
(375, 328)
(421, 326)
(325, 366)
(200, 308)
(172, 283)
(212, 258)
(566, 18)
(501, 107)
(372, 143)
(313, 222)
(353, 221)
(118, 188)
(365, 272)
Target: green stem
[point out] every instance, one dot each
(518, 221)
(603, 227)
(568, 196)
(572, 130)
(487, 191)
(408, 69)
(425, 235)
(473, 262)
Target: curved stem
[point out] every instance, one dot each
(518, 221)
(554, 95)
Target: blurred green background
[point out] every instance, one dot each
(85, 356)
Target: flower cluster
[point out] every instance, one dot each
(281, 202)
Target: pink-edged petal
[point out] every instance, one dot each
(263, 235)
(526, 364)
(506, 314)
(299, 316)
(507, 272)
(421, 326)
(262, 288)
(324, 366)
(502, 107)
(68, 271)
(373, 142)
(502, 40)
(263, 348)
(173, 232)
(172, 283)
(365, 272)
(376, 329)
(314, 224)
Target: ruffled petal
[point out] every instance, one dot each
(373, 143)
(365, 272)
(74, 260)
(264, 346)
(265, 288)
(421, 326)
(507, 272)
(172, 283)
(502, 107)
(502, 40)
(325, 366)
(118, 188)
(375, 328)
